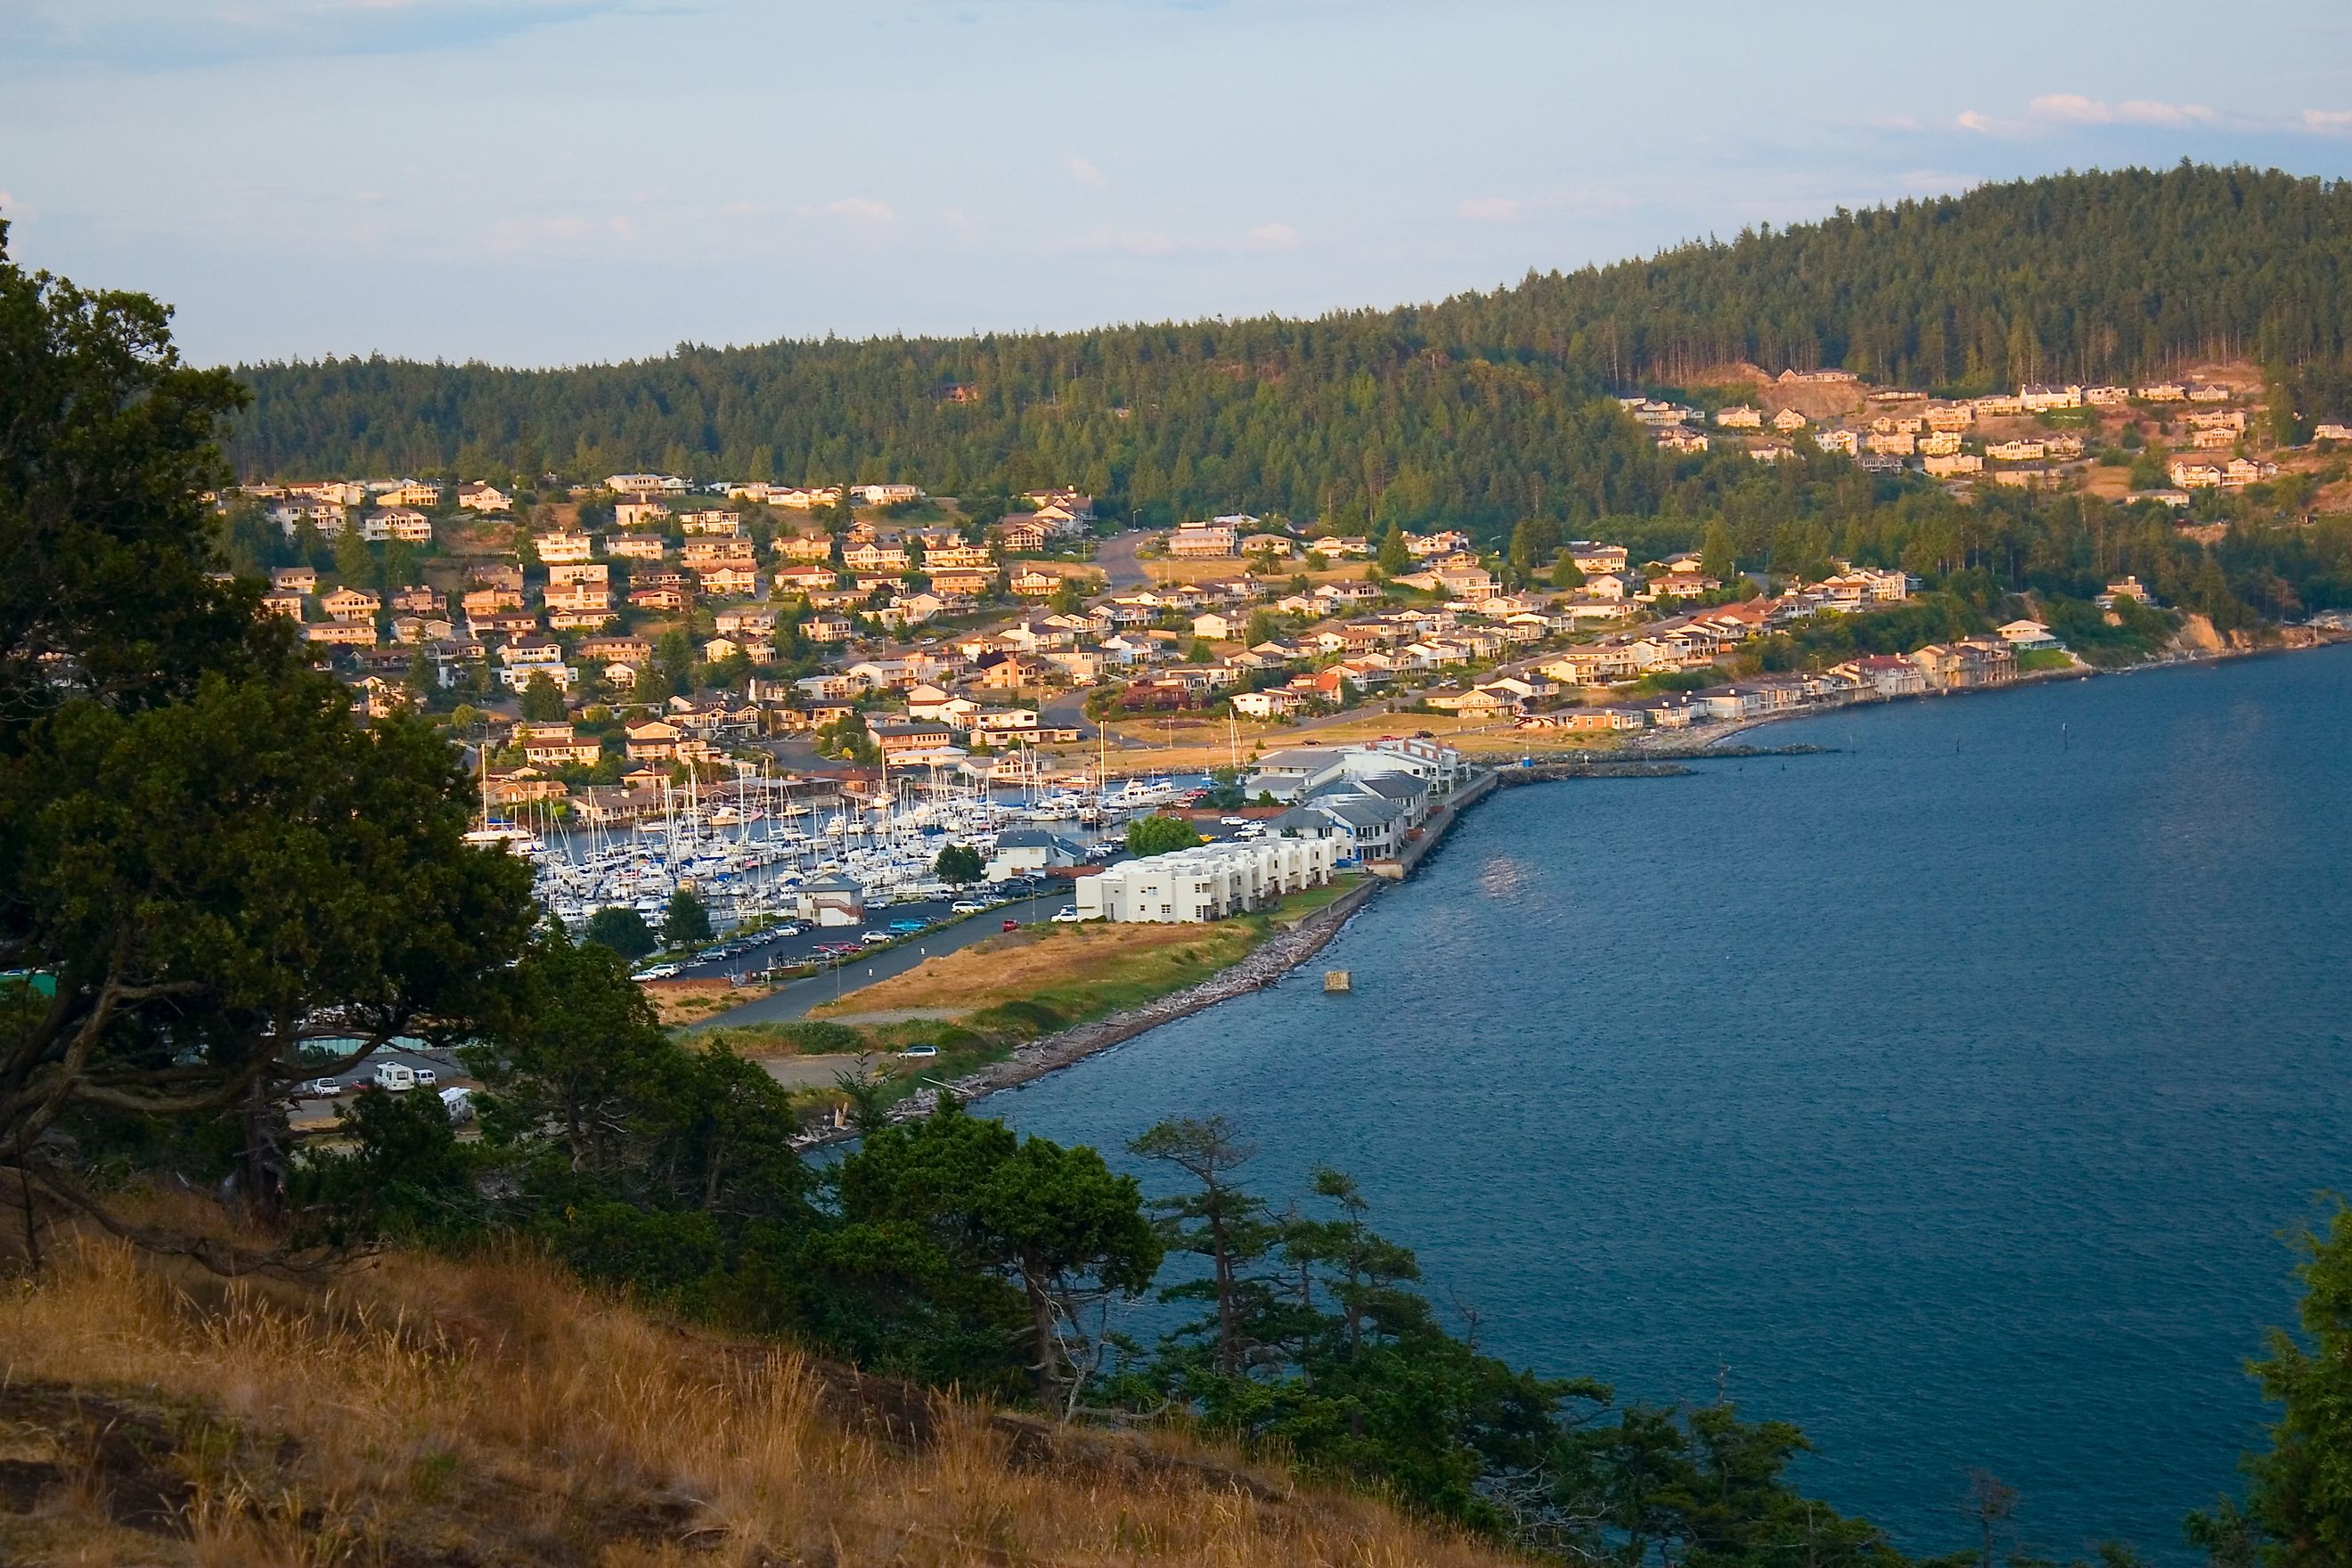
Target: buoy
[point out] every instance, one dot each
(1336, 983)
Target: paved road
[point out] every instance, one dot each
(795, 998)
(1115, 556)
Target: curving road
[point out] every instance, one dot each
(794, 998)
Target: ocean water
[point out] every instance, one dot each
(1948, 1094)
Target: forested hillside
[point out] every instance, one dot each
(1479, 408)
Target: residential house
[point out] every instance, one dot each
(654, 741)
(875, 558)
(351, 604)
(481, 496)
(1202, 539)
(729, 580)
(1274, 704)
(1024, 851)
(556, 745)
(645, 484)
(410, 492)
(401, 523)
(903, 738)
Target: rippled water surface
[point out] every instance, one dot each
(1946, 1094)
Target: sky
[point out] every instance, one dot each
(550, 181)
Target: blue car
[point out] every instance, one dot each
(910, 927)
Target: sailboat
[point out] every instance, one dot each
(518, 838)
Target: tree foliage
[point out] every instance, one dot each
(210, 861)
(1158, 835)
(1483, 408)
(2298, 1507)
(959, 864)
(623, 929)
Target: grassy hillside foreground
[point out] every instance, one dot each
(415, 1411)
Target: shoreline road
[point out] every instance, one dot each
(795, 998)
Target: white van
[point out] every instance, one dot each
(394, 1077)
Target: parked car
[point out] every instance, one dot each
(1232, 822)
(711, 955)
(966, 907)
(921, 1051)
(1068, 915)
(908, 928)
(877, 938)
(394, 1078)
(785, 930)
(323, 1089)
(425, 1077)
(657, 971)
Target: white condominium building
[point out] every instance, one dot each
(1205, 883)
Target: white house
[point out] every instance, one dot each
(1274, 704)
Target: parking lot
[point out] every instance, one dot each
(795, 997)
(444, 1067)
(757, 952)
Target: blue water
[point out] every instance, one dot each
(1948, 1095)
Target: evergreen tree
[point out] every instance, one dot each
(686, 923)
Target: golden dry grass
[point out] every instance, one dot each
(681, 1001)
(424, 1411)
(1080, 970)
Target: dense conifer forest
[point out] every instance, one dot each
(1481, 409)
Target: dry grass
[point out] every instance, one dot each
(425, 1411)
(683, 1001)
(1077, 968)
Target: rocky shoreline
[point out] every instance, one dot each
(1268, 963)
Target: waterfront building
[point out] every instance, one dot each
(1205, 883)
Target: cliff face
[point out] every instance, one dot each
(2197, 634)
(417, 1411)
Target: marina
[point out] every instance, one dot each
(751, 849)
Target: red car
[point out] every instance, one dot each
(1011, 925)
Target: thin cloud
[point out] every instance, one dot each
(2074, 109)
(1273, 237)
(857, 209)
(1085, 173)
(2327, 121)
(1490, 209)
(153, 35)
(1117, 241)
(2055, 113)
